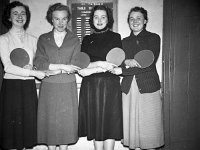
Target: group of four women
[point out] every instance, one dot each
(108, 110)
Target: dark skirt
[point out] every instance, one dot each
(18, 114)
(100, 108)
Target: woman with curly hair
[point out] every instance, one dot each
(100, 103)
(18, 97)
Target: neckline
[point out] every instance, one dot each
(59, 33)
(100, 32)
(17, 31)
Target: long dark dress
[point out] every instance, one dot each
(100, 103)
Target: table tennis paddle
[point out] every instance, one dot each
(115, 56)
(145, 58)
(19, 57)
(81, 60)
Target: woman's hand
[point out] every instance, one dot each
(132, 63)
(29, 66)
(64, 68)
(88, 71)
(55, 66)
(85, 72)
(52, 72)
(116, 70)
(69, 68)
(38, 74)
(106, 65)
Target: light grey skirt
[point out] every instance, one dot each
(142, 119)
(58, 113)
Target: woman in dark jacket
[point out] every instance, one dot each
(142, 105)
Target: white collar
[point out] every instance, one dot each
(17, 32)
(59, 34)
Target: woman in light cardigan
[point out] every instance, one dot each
(18, 97)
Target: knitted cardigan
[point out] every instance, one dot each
(147, 78)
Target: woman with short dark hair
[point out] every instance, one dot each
(108, 11)
(100, 103)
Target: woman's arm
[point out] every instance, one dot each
(13, 69)
(129, 71)
(153, 45)
(77, 47)
(5, 58)
(41, 59)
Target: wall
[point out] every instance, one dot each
(39, 25)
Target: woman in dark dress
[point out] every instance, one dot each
(100, 104)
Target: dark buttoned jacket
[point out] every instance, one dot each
(147, 78)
